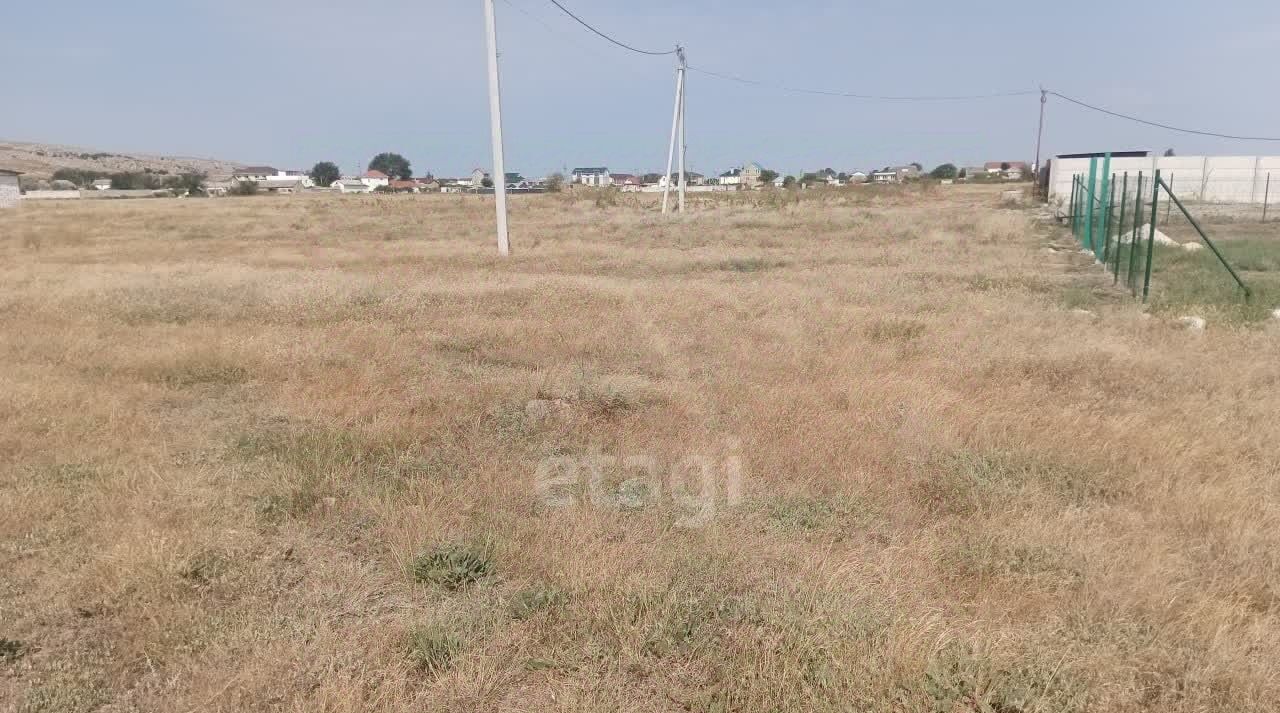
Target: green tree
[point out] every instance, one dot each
(392, 164)
(244, 188)
(326, 173)
(946, 171)
(486, 182)
(185, 184)
(1169, 153)
(555, 182)
(767, 176)
(918, 165)
(789, 181)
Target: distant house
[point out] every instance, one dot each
(375, 179)
(404, 186)
(906, 173)
(10, 191)
(218, 188)
(780, 182)
(732, 177)
(1009, 170)
(885, 177)
(351, 185)
(295, 185)
(858, 177)
(102, 184)
(255, 173)
(626, 182)
(477, 177)
(751, 174)
(597, 176)
(428, 185)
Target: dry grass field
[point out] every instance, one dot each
(861, 451)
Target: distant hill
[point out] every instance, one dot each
(41, 160)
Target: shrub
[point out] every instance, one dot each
(433, 648)
(528, 602)
(453, 566)
(244, 188)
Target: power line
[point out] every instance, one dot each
(1163, 126)
(566, 35)
(869, 97)
(623, 45)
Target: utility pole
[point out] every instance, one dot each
(684, 147)
(495, 125)
(676, 129)
(1044, 98)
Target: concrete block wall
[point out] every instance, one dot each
(9, 194)
(1213, 179)
(52, 195)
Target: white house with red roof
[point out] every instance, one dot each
(374, 179)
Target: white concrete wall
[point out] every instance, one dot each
(52, 195)
(9, 193)
(1213, 179)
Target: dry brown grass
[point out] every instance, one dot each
(278, 454)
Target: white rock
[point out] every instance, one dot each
(1193, 324)
(1192, 247)
(1275, 313)
(1161, 239)
(1084, 313)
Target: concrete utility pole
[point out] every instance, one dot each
(676, 130)
(495, 124)
(684, 147)
(1044, 97)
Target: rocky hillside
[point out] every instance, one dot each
(41, 160)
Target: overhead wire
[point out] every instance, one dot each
(617, 42)
(1160, 125)
(870, 97)
(914, 98)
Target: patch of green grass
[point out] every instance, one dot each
(316, 450)
(891, 330)
(277, 507)
(988, 557)
(809, 514)
(970, 481)
(64, 694)
(12, 649)
(454, 565)
(204, 568)
(1014, 283)
(747, 264)
(528, 602)
(67, 474)
(433, 648)
(1076, 297)
(197, 371)
(1196, 282)
(959, 679)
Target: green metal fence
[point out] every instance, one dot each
(1122, 236)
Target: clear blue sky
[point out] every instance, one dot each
(289, 82)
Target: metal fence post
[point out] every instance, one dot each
(1075, 187)
(1266, 195)
(1106, 224)
(1124, 202)
(1168, 207)
(1089, 200)
(1130, 280)
(1151, 237)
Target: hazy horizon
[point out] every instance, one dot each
(290, 87)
